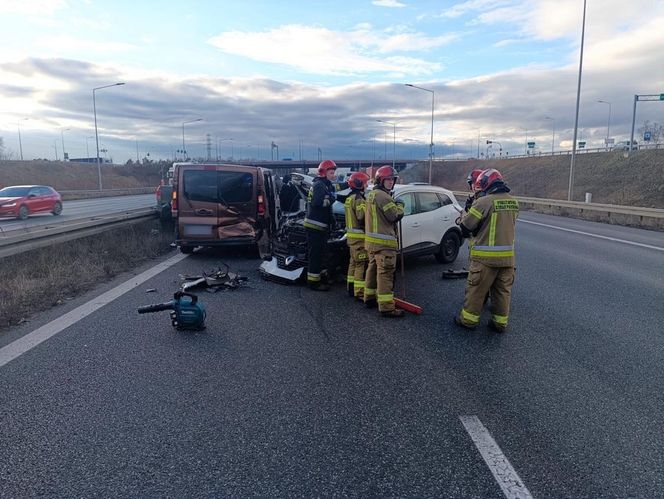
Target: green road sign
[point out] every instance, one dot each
(531, 145)
(661, 96)
(582, 144)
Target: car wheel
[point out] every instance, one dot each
(57, 208)
(186, 249)
(23, 212)
(449, 248)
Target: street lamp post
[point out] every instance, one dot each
(219, 141)
(20, 145)
(578, 100)
(62, 137)
(553, 131)
(184, 149)
(394, 140)
(430, 143)
(94, 106)
(608, 125)
(525, 144)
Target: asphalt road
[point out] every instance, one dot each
(296, 393)
(80, 208)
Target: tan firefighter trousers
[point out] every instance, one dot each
(380, 278)
(483, 280)
(357, 267)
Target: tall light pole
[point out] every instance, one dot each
(608, 125)
(62, 137)
(525, 144)
(184, 149)
(20, 145)
(578, 99)
(394, 140)
(430, 143)
(553, 131)
(94, 106)
(219, 142)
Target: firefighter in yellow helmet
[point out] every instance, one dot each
(355, 205)
(491, 220)
(380, 220)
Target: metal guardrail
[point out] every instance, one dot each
(18, 241)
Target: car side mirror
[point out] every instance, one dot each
(30, 196)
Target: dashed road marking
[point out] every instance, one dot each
(34, 338)
(658, 248)
(509, 481)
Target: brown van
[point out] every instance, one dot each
(223, 205)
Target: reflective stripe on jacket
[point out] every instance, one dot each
(381, 215)
(355, 207)
(493, 219)
(319, 205)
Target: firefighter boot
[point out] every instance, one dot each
(392, 314)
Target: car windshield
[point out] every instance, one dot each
(14, 192)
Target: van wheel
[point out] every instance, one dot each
(449, 248)
(187, 250)
(23, 212)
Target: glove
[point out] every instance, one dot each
(469, 203)
(400, 203)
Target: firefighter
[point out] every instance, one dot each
(472, 176)
(382, 214)
(355, 205)
(491, 220)
(317, 222)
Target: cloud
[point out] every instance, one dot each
(62, 43)
(319, 50)
(32, 8)
(388, 3)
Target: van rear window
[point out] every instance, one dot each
(218, 186)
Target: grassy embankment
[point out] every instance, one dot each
(637, 181)
(43, 278)
(77, 176)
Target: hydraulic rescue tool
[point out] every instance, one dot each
(187, 313)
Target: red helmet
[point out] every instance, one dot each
(385, 172)
(486, 179)
(358, 180)
(472, 176)
(326, 165)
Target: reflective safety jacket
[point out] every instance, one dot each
(492, 219)
(355, 207)
(379, 222)
(320, 199)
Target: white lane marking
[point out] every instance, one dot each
(658, 248)
(34, 338)
(507, 478)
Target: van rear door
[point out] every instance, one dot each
(198, 212)
(237, 205)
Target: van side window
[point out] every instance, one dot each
(200, 185)
(236, 187)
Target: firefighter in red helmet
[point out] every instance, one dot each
(355, 207)
(382, 214)
(491, 220)
(317, 222)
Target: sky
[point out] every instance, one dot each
(318, 75)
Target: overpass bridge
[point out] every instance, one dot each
(283, 167)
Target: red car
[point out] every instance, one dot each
(19, 201)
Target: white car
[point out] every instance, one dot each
(428, 228)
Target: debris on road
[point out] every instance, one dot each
(214, 281)
(455, 274)
(151, 290)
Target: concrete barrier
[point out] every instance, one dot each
(89, 194)
(630, 216)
